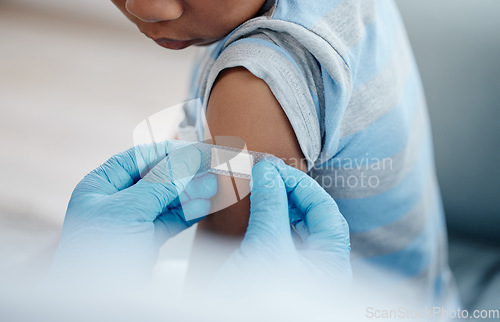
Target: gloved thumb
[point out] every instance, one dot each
(165, 182)
(269, 225)
(328, 229)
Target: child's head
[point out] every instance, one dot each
(177, 24)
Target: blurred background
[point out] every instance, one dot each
(76, 78)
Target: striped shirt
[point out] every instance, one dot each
(344, 74)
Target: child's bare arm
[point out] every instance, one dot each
(243, 105)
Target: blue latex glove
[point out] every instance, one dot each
(268, 252)
(116, 221)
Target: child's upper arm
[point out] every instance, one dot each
(243, 105)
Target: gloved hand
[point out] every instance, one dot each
(268, 254)
(116, 221)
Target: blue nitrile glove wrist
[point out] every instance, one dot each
(269, 254)
(116, 221)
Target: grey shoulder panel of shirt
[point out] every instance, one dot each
(291, 73)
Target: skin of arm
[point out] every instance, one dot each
(240, 105)
(243, 106)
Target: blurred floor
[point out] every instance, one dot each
(71, 92)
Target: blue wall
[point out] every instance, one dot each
(457, 46)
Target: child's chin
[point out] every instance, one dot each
(206, 43)
(175, 45)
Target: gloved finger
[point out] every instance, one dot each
(268, 225)
(147, 156)
(195, 209)
(124, 169)
(172, 222)
(327, 227)
(164, 182)
(116, 174)
(201, 186)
